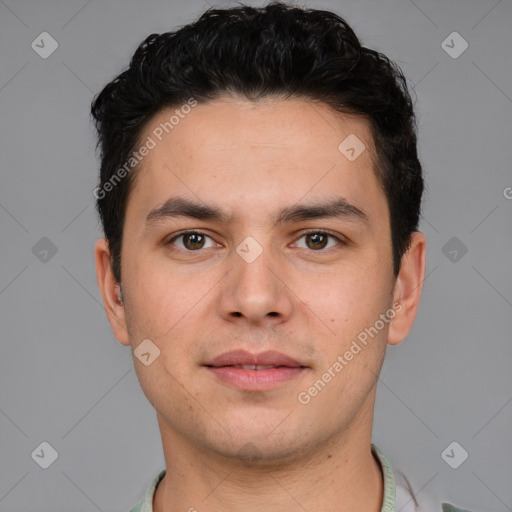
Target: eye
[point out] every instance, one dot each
(319, 240)
(191, 241)
(316, 240)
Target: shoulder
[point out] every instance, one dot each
(146, 503)
(408, 501)
(448, 507)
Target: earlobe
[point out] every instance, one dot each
(110, 291)
(407, 290)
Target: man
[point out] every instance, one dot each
(260, 194)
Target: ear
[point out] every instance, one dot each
(407, 290)
(110, 292)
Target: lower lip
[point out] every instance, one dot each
(256, 380)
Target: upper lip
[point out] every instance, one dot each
(242, 357)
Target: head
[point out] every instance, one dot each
(276, 124)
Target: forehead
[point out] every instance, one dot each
(268, 127)
(257, 154)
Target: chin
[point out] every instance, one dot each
(255, 454)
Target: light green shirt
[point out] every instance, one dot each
(389, 502)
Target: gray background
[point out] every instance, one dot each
(65, 380)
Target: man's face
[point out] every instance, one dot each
(250, 283)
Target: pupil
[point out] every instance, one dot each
(194, 238)
(317, 236)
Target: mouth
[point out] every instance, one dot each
(255, 372)
(257, 367)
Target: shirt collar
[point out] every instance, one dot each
(388, 502)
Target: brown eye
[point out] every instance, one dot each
(319, 240)
(316, 240)
(191, 241)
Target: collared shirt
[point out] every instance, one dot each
(396, 498)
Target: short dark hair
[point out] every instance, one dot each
(280, 51)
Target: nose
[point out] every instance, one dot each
(255, 290)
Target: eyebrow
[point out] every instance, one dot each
(338, 208)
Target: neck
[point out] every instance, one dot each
(340, 476)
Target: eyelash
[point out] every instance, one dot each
(304, 233)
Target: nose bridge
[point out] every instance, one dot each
(255, 290)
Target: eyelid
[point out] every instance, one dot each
(338, 236)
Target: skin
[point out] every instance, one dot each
(227, 449)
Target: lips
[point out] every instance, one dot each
(248, 361)
(258, 367)
(255, 372)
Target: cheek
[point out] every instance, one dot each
(156, 296)
(150, 307)
(169, 308)
(344, 301)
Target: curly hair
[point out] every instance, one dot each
(278, 51)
